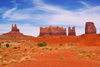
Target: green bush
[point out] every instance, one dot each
(61, 44)
(7, 45)
(41, 44)
(32, 49)
(71, 44)
(2, 42)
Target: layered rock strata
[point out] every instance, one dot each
(52, 31)
(71, 32)
(90, 28)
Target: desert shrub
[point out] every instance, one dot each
(46, 48)
(19, 42)
(14, 47)
(50, 49)
(32, 49)
(81, 55)
(25, 49)
(23, 41)
(13, 61)
(98, 59)
(43, 48)
(56, 48)
(18, 47)
(66, 44)
(88, 55)
(2, 47)
(61, 57)
(31, 46)
(7, 45)
(9, 49)
(83, 51)
(71, 44)
(42, 53)
(8, 42)
(4, 54)
(2, 42)
(13, 57)
(41, 44)
(1, 51)
(61, 44)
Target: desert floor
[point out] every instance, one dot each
(61, 51)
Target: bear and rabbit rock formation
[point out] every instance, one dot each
(14, 28)
(13, 32)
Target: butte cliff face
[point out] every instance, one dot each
(90, 28)
(52, 31)
(71, 32)
(14, 28)
(13, 32)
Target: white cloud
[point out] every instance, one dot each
(5, 28)
(16, 16)
(53, 15)
(14, 2)
(27, 29)
(8, 13)
(84, 3)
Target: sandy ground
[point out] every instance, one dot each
(76, 51)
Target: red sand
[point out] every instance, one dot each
(51, 58)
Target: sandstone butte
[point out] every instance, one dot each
(52, 31)
(71, 32)
(14, 32)
(90, 28)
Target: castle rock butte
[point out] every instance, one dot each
(90, 28)
(13, 32)
(71, 32)
(52, 31)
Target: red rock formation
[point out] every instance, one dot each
(15, 28)
(71, 32)
(52, 31)
(90, 28)
(13, 32)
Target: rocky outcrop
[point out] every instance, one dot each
(52, 31)
(90, 28)
(14, 32)
(71, 32)
(14, 28)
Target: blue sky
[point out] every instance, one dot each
(29, 15)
